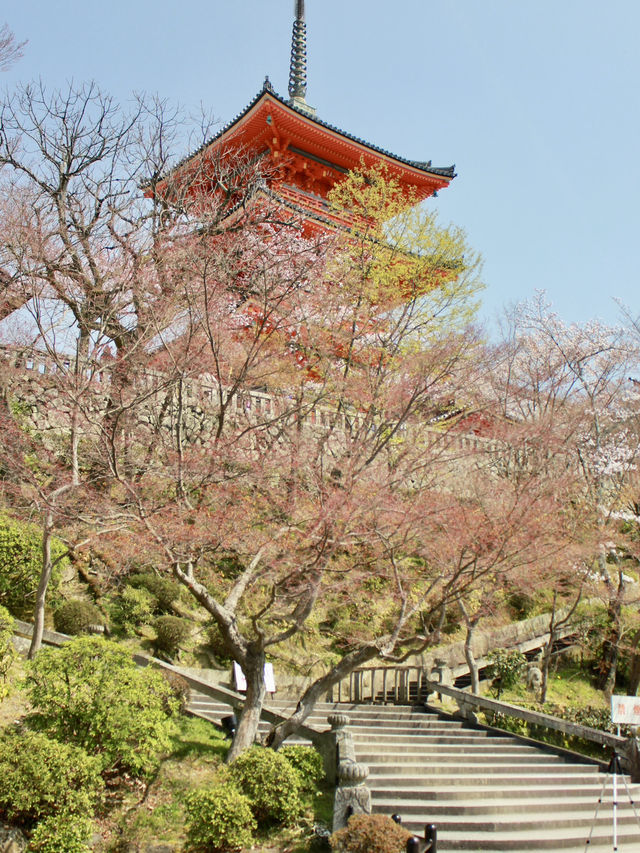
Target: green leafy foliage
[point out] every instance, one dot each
(171, 632)
(91, 693)
(271, 784)
(506, 668)
(21, 564)
(133, 608)
(506, 722)
(308, 762)
(64, 831)
(372, 833)
(164, 590)
(76, 617)
(219, 819)
(8, 653)
(41, 777)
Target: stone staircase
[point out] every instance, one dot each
(484, 791)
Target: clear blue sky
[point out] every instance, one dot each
(535, 101)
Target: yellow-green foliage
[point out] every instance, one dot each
(163, 589)
(271, 784)
(41, 777)
(69, 832)
(132, 608)
(399, 252)
(308, 763)
(91, 693)
(7, 651)
(219, 819)
(21, 564)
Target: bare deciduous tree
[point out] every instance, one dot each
(10, 49)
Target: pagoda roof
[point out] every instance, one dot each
(269, 111)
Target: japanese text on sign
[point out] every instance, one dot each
(625, 710)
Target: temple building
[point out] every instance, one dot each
(305, 155)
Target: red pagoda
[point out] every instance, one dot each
(305, 155)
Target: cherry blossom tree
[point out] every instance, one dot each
(575, 379)
(83, 254)
(311, 462)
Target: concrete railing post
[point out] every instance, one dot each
(441, 673)
(630, 755)
(352, 796)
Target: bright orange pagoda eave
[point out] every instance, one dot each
(310, 155)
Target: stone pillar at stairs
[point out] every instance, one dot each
(352, 795)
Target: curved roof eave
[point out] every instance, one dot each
(424, 166)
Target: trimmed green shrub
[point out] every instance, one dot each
(521, 605)
(66, 832)
(219, 819)
(92, 694)
(308, 762)
(271, 784)
(40, 777)
(164, 590)
(8, 653)
(171, 631)
(370, 833)
(21, 564)
(133, 608)
(76, 617)
(217, 644)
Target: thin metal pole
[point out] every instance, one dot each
(615, 806)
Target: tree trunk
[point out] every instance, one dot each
(278, 734)
(41, 595)
(634, 666)
(611, 645)
(545, 663)
(471, 660)
(609, 664)
(253, 668)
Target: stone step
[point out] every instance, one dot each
(521, 821)
(559, 838)
(378, 735)
(372, 718)
(379, 731)
(427, 758)
(381, 777)
(408, 723)
(544, 768)
(424, 745)
(456, 796)
(432, 811)
(485, 792)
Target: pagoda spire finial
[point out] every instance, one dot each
(298, 67)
